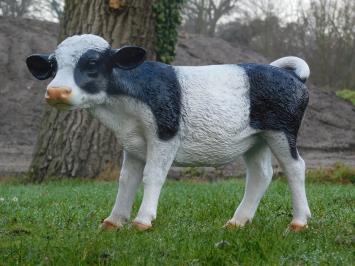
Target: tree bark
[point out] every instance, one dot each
(73, 144)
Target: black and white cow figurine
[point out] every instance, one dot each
(186, 116)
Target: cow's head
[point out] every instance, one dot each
(81, 68)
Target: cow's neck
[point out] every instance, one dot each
(123, 115)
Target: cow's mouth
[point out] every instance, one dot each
(59, 104)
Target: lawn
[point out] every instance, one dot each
(57, 223)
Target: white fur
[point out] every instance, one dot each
(215, 109)
(300, 66)
(69, 51)
(214, 130)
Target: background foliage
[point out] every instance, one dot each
(322, 33)
(168, 19)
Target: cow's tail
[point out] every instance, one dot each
(295, 64)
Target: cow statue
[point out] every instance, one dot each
(167, 115)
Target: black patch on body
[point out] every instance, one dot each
(153, 83)
(156, 85)
(278, 99)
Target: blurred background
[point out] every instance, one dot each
(44, 143)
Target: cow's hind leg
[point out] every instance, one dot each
(294, 168)
(259, 175)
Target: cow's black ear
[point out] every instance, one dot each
(41, 66)
(128, 57)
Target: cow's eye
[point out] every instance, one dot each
(92, 63)
(92, 68)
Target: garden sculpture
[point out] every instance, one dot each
(166, 115)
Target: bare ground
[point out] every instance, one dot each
(327, 134)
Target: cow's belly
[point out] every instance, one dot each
(213, 150)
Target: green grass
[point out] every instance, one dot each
(347, 94)
(56, 224)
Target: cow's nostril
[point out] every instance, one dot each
(66, 91)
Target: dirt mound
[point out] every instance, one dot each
(327, 134)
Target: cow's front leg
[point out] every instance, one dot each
(160, 156)
(130, 178)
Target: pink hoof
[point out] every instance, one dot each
(294, 227)
(142, 227)
(230, 225)
(108, 226)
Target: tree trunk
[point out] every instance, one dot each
(73, 144)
